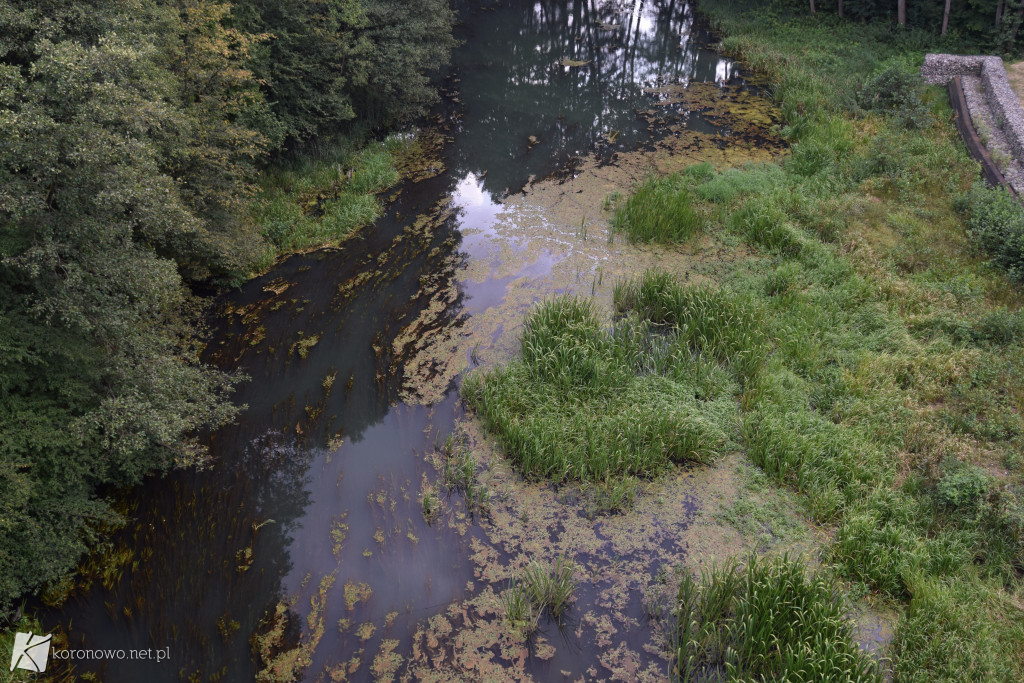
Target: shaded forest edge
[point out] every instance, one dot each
(147, 147)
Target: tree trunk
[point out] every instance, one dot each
(901, 12)
(1016, 26)
(945, 18)
(999, 13)
(812, 7)
(840, 9)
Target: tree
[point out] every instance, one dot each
(311, 63)
(410, 40)
(100, 382)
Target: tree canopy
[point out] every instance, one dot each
(131, 134)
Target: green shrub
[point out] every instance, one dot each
(995, 221)
(895, 90)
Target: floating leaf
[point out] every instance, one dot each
(565, 61)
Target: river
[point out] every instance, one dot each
(303, 550)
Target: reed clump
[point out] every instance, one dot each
(767, 621)
(540, 588)
(588, 403)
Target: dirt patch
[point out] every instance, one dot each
(1015, 73)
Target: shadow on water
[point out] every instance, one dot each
(321, 476)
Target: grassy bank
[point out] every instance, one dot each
(894, 396)
(320, 198)
(871, 350)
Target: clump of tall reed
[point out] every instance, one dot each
(587, 403)
(540, 588)
(716, 322)
(766, 621)
(661, 209)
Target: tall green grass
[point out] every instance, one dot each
(875, 354)
(540, 588)
(766, 621)
(889, 374)
(660, 209)
(719, 323)
(319, 199)
(593, 403)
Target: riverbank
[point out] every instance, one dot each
(881, 381)
(321, 197)
(893, 399)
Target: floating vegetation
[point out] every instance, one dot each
(339, 532)
(328, 382)
(257, 335)
(387, 661)
(574, 63)
(280, 664)
(365, 631)
(355, 592)
(303, 346)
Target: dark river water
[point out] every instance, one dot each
(321, 475)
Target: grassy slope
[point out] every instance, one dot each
(893, 398)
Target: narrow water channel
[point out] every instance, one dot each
(305, 543)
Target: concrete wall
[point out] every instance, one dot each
(1002, 101)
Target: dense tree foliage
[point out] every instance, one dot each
(131, 134)
(337, 63)
(972, 25)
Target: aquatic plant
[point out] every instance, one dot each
(519, 610)
(661, 209)
(550, 587)
(541, 587)
(584, 404)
